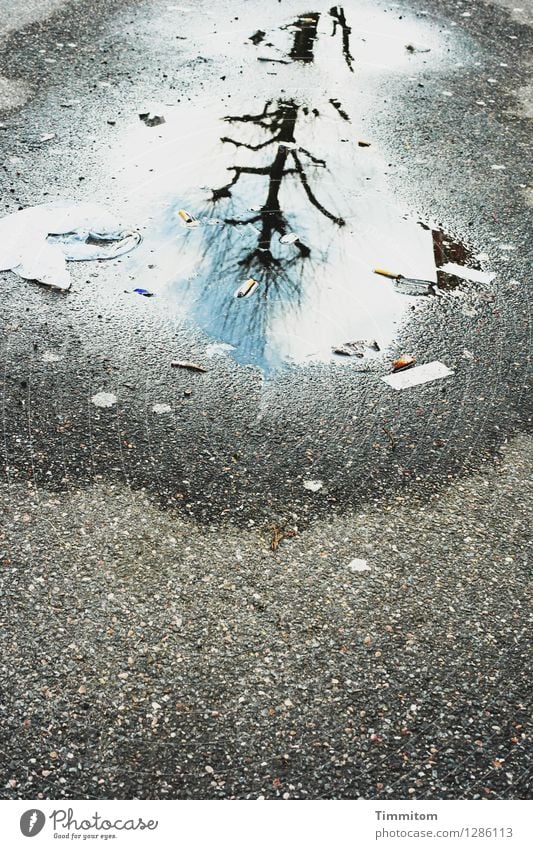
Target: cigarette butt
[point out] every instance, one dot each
(247, 288)
(385, 273)
(184, 215)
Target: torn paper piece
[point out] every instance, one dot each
(470, 274)
(218, 349)
(104, 399)
(359, 565)
(36, 242)
(417, 375)
(313, 486)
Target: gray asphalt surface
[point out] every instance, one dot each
(155, 645)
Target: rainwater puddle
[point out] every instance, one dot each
(266, 215)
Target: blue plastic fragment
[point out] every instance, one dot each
(145, 292)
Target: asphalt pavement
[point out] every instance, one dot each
(179, 613)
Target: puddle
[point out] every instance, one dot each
(274, 196)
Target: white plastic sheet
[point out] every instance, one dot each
(36, 242)
(416, 376)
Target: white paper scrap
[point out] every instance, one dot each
(104, 399)
(471, 274)
(313, 486)
(417, 375)
(359, 566)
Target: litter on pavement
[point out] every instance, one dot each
(36, 242)
(187, 365)
(471, 274)
(313, 486)
(358, 565)
(145, 292)
(418, 375)
(404, 362)
(104, 399)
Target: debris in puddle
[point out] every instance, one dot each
(145, 292)
(313, 486)
(358, 565)
(80, 246)
(471, 274)
(104, 399)
(268, 59)
(161, 408)
(384, 273)
(355, 349)
(416, 376)
(407, 285)
(188, 220)
(247, 288)
(47, 137)
(404, 362)
(257, 37)
(350, 349)
(152, 117)
(187, 365)
(36, 242)
(363, 143)
(289, 238)
(411, 48)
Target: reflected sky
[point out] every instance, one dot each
(282, 193)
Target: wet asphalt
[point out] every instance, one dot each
(155, 645)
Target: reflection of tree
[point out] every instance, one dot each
(249, 244)
(304, 37)
(305, 29)
(279, 122)
(339, 20)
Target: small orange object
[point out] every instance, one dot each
(403, 362)
(187, 219)
(385, 273)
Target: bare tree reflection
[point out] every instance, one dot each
(339, 21)
(249, 245)
(304, 37)
(305, 29)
